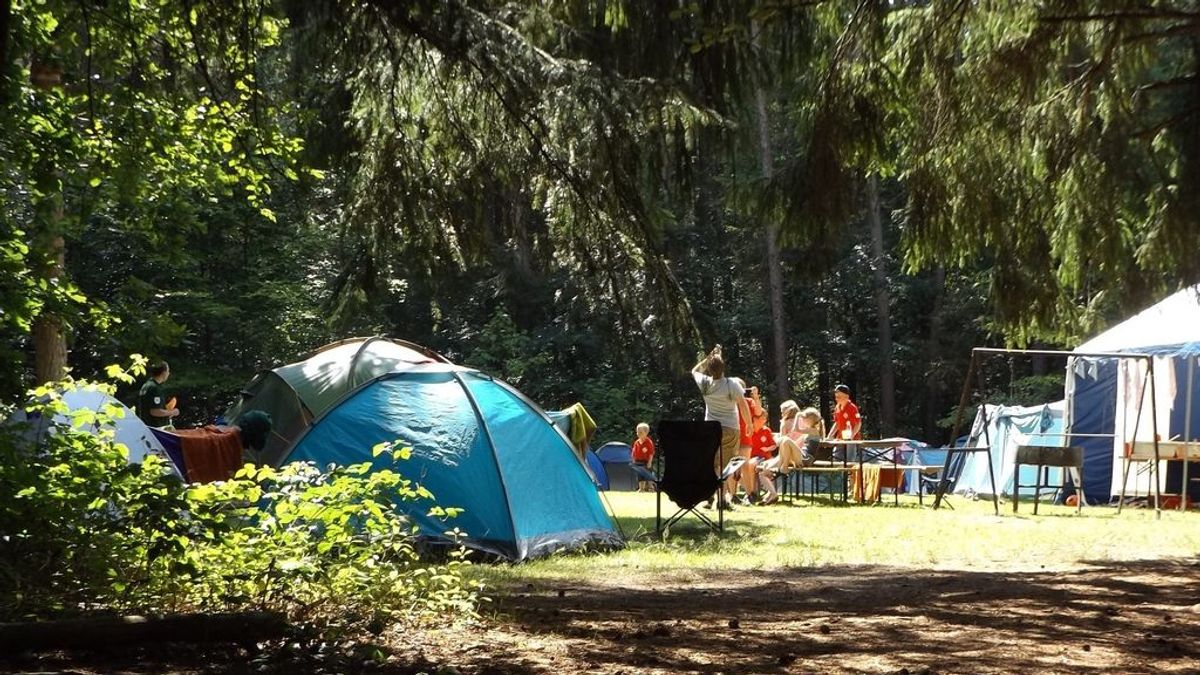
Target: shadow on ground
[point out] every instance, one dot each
(1129, 617)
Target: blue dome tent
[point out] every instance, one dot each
(616, 458)
(479, 445)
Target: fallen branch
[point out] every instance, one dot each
(117, 631)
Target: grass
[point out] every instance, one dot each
(805, 534)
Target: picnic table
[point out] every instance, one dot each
(876, 452)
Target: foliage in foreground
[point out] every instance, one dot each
(83, 530)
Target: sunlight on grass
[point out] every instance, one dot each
(805, 535)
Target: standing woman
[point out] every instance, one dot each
(724, 402)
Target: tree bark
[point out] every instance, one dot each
(883, 301)
(780, 388)
(5, 29)
(49, 344)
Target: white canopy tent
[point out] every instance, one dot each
(1114, 401)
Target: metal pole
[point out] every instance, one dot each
(958, 416)
(1187, 430)
(1126, 449)
(987, 441)
(1154, 429)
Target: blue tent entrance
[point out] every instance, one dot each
(479, 445)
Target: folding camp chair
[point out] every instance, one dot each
(950, 473)
(688, 451)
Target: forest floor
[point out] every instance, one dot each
(800, 589)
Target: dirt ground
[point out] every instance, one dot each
(1132, 617)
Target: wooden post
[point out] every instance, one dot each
(958, 415)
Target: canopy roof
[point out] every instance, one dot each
(1172, 325)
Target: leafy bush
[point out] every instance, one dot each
(82, 529)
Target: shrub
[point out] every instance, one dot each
(82, 529)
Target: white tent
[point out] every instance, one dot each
(128, 430)
(1002, 428)
(1104, 394)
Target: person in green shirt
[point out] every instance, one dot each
(153, 406)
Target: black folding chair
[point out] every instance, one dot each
(949, 473)
(689, 451)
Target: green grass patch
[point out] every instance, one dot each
(806, 534)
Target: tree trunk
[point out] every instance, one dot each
(49, 344)
(883, 301)
(933, 379)
(5, 27)
(780, 387)
(50, 347)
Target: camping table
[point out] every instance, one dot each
(1155, 452)
(871, 451)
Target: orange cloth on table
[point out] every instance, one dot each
(865, 486)
(210, 453)
(875, 478)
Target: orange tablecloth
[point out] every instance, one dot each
(210, 453)
(874, 479)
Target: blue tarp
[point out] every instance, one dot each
(477, 445)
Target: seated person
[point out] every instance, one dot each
(798, 429)
(748, 475)
(253, 428)
(762, 445)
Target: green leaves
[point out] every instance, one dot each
(327, 548)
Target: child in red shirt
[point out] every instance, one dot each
(643, 454)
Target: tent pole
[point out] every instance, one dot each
(487, 433)
(1126, 461)
(958, 417)
(1068, 424)
(987, 441)
(1154, 430)
(1187, 431)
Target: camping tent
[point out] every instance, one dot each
(1103, 393)
(916, 453)
(297, 393)
(596, 469)
(616, 458)
(478, 445)
(1003, 428)
(127, 429)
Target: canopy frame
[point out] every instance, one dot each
(979, 354)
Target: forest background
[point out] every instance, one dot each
(578, 196)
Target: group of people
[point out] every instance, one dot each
(745, 433)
